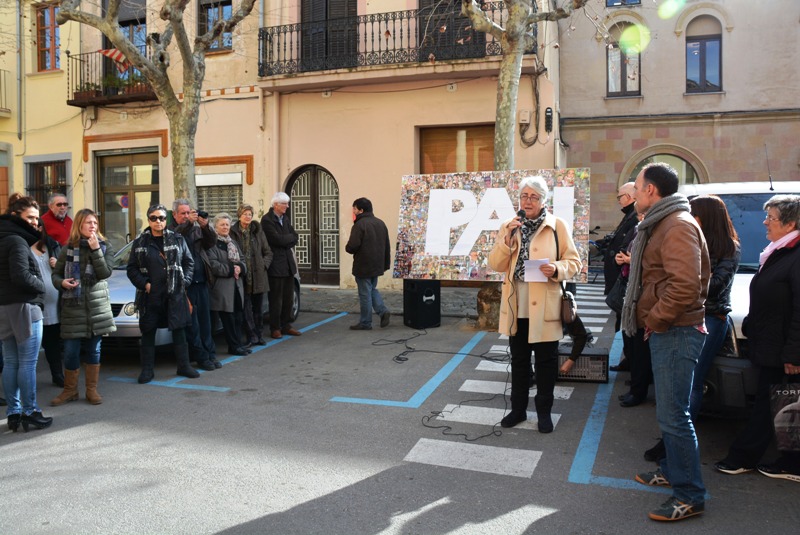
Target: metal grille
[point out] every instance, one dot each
(301, 201)
(328, 212)
(218, 199)
(46, 178)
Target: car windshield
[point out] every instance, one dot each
(747, 213)
(121, 257)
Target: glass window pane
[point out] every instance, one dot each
(713, 75)
(145, 174)
(693, 66)
(632, 74)
(614, 70)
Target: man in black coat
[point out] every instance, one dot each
(614, 243)
(281, 237)
(369, 245)
(199, 237)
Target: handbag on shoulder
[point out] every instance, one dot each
(569, 307)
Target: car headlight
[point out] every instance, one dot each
(129, 309)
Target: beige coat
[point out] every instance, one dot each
(544, 307)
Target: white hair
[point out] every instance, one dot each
(221, 216)
(280, 197)
(537, 184)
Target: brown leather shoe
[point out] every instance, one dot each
(291, 331)
(277, 334)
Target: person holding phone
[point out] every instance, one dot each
(81, 273)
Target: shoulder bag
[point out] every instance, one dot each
(569, 307)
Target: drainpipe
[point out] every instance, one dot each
(20, 52)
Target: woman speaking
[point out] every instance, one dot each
(530, 312)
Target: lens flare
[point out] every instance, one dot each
(634, 39)
(669, 8)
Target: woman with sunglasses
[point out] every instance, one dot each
(160, 266)
(81, 273)
(21, 297)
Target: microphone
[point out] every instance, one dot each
(521, 215)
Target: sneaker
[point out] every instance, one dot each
(729, 468)
(386, 317)
(360, 327)
(674, 509)
(656, 453)
(653, 479)
(778, 470)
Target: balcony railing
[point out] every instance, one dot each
(413, 36)
(94, 79)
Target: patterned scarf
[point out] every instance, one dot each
(233, 251)
(72, 270)
(526, 231)
(663, 208)
(170, 255)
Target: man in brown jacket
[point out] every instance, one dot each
(667, 290)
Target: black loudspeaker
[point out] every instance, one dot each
(422, 307)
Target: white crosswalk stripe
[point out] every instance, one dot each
(468, 414)
(496, 387)
(489, 459)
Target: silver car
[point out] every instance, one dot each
(123, 295)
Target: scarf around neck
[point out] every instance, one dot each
(526, 231)
(170, 253)
(72, 269)
(660, 210)
(233, 251)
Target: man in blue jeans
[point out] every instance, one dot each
(667, 290)
(369, 245)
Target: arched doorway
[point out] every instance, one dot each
(315, 217)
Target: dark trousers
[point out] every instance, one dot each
(51, 343)
(281, 296)
(545, 357)
(640, 363)
(200, 334)
(149, 337)
(231, 322)
(253, 319)
(756, 436)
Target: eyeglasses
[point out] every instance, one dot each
(62, 204)
(154, 218)
(532, 198)
(621, 196)
(771, 219)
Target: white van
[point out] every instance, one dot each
(730, 386)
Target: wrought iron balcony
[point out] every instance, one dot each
(413, 36)
(94, 80)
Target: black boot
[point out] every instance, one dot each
(35, 420)
(147, 355)
(184, 368)
(543, 407)
(13, 422)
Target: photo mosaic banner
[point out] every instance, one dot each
(448, 222)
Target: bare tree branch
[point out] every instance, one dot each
(480, 21)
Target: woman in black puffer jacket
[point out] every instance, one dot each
(21, 297)
(81, 272)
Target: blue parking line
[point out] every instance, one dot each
(428, 388)
(585, 457)
(177, 382)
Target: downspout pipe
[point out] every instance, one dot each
(20, 52)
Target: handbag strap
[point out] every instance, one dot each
(560, 283)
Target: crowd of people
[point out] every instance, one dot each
(54, 293)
